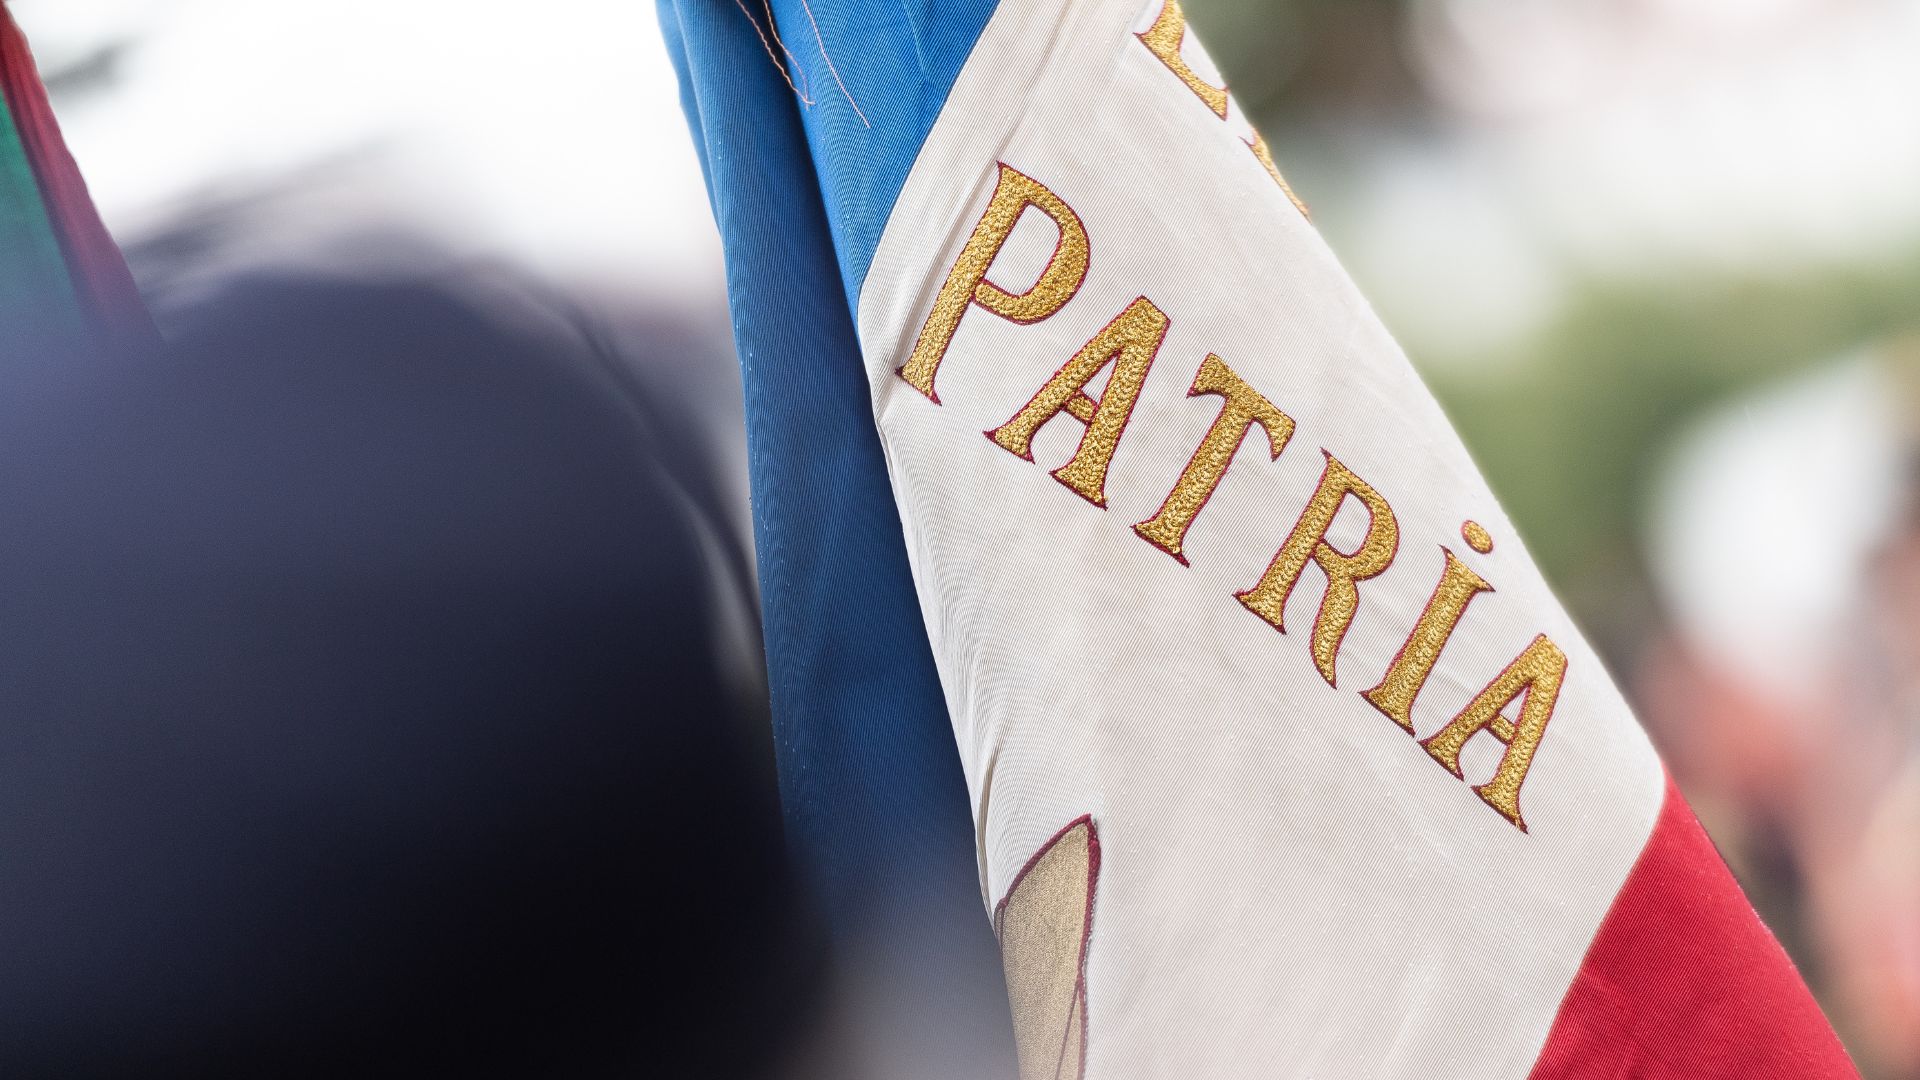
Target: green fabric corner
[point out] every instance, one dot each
(36, 287)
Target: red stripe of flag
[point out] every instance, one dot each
(1684, 982)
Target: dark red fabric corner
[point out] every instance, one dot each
(1684, 981)
(101, 279)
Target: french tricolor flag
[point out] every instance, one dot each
(1122, 580)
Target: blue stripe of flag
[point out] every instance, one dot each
(876, 805)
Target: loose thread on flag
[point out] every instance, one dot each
(793, 62)
(834, 71)
(768, 46)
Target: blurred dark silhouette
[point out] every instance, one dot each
(364, 707)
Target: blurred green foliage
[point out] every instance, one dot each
(1571, 434)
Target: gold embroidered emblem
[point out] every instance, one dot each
(1044, 924)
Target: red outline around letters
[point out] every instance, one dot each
(1125, 418)
(1179, 50)
(1395, 662)
(1321, 610)
(1059, 241)
(1194, 391)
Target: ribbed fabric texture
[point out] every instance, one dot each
(875, 803)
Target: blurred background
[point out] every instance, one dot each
(1659, 259)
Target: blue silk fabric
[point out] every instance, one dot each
(875, 802)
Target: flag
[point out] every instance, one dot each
(62, 279)
(1116, 562)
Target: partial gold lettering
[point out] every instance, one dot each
(1538, 673)
(1129, 343)
(1308, 541)
(967, 282)
(1164, 38)
(1410, 669)
(1243, 407)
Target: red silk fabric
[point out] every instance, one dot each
(1684, 981)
